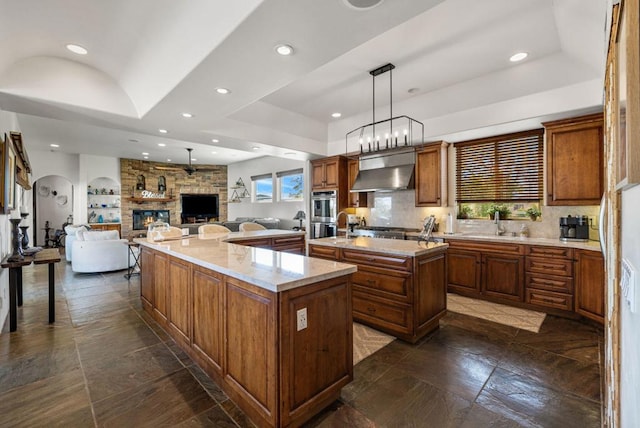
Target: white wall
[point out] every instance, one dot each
(630, 322)
(51, 208)
(265, 165)
(8, 122)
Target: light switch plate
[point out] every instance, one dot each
(628, 285)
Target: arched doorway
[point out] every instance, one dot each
(52, 206)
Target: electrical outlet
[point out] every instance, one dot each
(302, 318)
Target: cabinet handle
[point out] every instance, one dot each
(371, 259)
(371, 281)
(372, 310)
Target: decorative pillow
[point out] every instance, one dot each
(73, 229)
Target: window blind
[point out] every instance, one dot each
(261, 177)
(289, 172)
(502, 168)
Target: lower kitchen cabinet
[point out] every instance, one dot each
(402, 295)
(560, 280)
(288, 244)
(486, 270)
(589, 282)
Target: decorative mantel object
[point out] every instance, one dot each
(17, 254)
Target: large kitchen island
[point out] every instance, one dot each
(272, 328)
(400, 286)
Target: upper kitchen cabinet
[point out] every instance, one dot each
(431, 175)
(575, 160)
(326, 173)
(356, 199)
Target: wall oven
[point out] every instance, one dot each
(323, 214)
(323, 206)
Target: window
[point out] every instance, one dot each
(290, 185)
(262, 187)
(505, 170)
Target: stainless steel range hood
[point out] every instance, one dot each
(387, 170)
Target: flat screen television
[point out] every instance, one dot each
(199, 207)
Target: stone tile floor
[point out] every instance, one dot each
(105, 362)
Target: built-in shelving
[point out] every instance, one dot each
(103, 201)
(143, 200)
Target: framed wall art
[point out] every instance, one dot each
(627, 95)
(9, 175)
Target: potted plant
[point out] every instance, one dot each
(533, 213)
(464, 211)
(501, 209)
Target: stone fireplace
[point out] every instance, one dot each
(211, 182)
(143, 218)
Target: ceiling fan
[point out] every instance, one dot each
(189, 169)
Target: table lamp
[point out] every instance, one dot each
(300, 216)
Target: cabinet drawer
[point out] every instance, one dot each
(387, 283)
(558, 252)
(503, 247)
(322, 252)
(549, 266)
(558, 284)
(388, 261)
(292, 248)
(288, 240)
(549, 299)
(261, 243)
(387, 314)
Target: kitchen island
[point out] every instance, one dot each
(273, 329)
(400, 286)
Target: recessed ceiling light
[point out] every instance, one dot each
(54, 145)
(223, 91)
(289, 153)
(255, 148)
(145, 154)
(187, 115)
(161, 144)
(336, 114)
(214, 153)
(146, 157)
(518, 57)
(77, 49)
(168, 160)
(194, 159)
(215, 140)
(163, 131)
(284, 50)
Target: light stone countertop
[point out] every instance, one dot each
(272, 270)
(550, 242)
(381, 245)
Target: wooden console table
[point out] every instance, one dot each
(47, 256)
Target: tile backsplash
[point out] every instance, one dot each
(398, 209)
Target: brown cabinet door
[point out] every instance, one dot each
(179, 298)
(317, 175)
(146, 278)
(331, 173)
(160, 295)
(323, 252)
(430, 289)
(502, 276)
(575, 145)
(428, 186)
(356, 199)
(207, 316)
(589, 285)
(463, 272)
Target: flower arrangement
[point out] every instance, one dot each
(533, 213)
(500, 208)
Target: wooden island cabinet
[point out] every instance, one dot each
(235, 311)
(399, 288)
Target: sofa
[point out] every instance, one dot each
(99, 251)
(70, 230)
(234, 225)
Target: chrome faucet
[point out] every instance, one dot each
(346, 222)
(499, 228)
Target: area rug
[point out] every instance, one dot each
(503, 314)
(366, 341)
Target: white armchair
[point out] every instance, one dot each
(99, 251)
